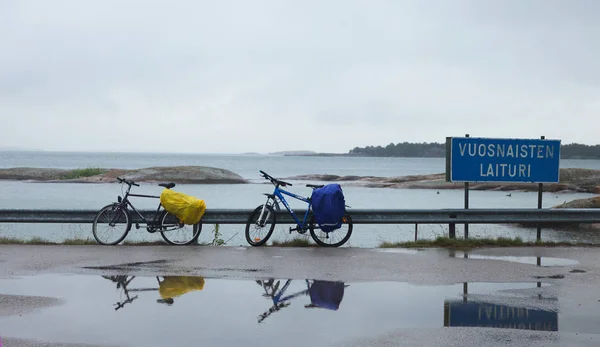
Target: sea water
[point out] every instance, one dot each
(29, 195)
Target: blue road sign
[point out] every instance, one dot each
(472, 159)
(481, 314)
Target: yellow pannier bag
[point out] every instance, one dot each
(187, 208)
(174, 286)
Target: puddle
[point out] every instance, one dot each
(193, 310)
(398, 250)
(540, 261)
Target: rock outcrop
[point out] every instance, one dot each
(32, 173)
(571, 179)
(185, 174)
(581, 203)
(177, 174)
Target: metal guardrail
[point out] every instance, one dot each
(359, 216)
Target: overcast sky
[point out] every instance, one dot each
(264, 76)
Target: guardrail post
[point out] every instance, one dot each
(416, 231)
(539, 263)
(452, 228)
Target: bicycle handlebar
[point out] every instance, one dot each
(130, 183)
(122, 304)
(274, 180)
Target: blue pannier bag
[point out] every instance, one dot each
(329, 206)
(326, 294)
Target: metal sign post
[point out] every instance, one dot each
(466, 204)
(540, 195)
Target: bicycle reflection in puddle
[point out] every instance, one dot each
(168, 288)
(323, 294)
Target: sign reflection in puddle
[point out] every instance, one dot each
(490, 314)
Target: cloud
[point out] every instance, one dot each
(237, 76)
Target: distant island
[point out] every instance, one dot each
(438, 150)
(18, 149)
(293, 153)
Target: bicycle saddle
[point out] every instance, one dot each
(315, 185)
(167, 185)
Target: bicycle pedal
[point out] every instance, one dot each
(137, 225)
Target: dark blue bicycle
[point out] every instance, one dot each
(263, 219)
(323, 294)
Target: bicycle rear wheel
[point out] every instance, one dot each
(113, 220)
(268, 222)
(334, 238)
(178, 234)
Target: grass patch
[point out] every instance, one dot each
(79, 173)
(40, 241)
(14, 241)
(296, 242)
(71, 242)
(445, 242)
(77, 242)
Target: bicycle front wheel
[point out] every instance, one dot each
(111, 225)
(261, 229)
(334, 238)
(178, 234)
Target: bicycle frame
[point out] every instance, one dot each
(277, 297)
(280, 302)
(279, 193)
(125, 202)
(123, 283)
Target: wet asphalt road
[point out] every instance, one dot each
(359, 264)
(570, 277)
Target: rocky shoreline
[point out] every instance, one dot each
(176, 174)
(593, 202)
(571, 179)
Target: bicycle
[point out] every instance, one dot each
(122, 283)
(332, 301)
(118, 214)
(265, 214)
(169, 288)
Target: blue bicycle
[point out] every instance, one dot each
(263, 219)
(323, 294)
